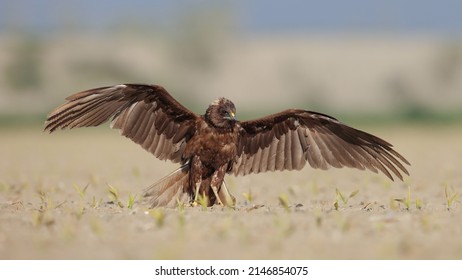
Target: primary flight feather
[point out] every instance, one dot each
(209, 146)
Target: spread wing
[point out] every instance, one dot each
(290, 139)
(147, 114)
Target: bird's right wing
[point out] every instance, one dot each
(147, 114)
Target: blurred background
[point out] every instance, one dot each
(360, 60)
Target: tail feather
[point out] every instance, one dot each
(170, 190)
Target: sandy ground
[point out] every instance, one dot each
(45, 214)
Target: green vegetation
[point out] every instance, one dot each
(343, 198)
(284, 201)
(451, 196)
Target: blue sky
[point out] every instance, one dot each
(249, 16)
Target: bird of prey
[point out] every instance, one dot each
(211, 145)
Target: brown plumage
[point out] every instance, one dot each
(209, 146)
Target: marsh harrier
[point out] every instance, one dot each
(209, 146)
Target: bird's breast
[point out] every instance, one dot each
(214, 148)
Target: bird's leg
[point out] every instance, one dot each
(196, 179)
(217, 181)
(225, 196)
(215, 191)
(196, 192)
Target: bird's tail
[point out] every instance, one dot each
(170, 190)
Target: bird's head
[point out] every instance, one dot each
(221, 113)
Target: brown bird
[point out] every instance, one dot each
(209, 146)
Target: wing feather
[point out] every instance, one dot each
(280, 153)
(315, 153)
(257, 161)
(147, 114)
(154, 143)
(146, 128)
(272, 154)
(290, 139)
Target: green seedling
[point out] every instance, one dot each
(284, 201)
(131, 201)
(418, 204)
(451, 196)
(95, 203)
(180, 206)
(336, 204)
(114, 196)
(248, 196)
(406, 201)
(344, 199)
(113, 193)
(80, 191)
(45, 201)
(203, 201)
(81, 210)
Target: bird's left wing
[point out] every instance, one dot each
(289, 139)
(147, 114)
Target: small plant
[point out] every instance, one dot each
(284, 201)
(81, 210)
(180, 205)
(203, 201)
(418, 204)
(393, 204)
(114, 196)
(344, 199)
(248, 196)
(95, 203)
(451, 196)
(131, 201)
(406, 201)
(80, 191)
(46, 202)
(336, 204)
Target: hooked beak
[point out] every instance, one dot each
(232, 116)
